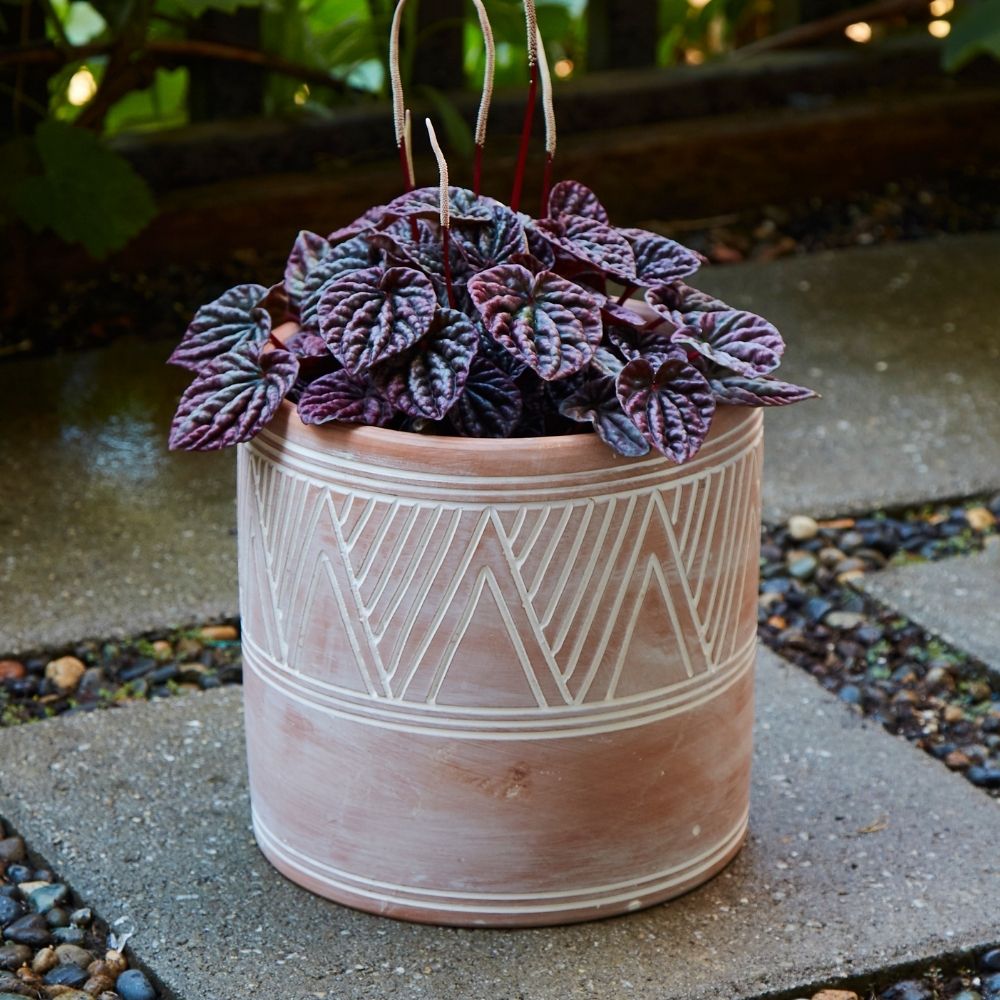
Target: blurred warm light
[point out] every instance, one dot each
(302, 94)
(939, 29)
(563, 67)
(698, 4)
(82, 87)
(860, 31)
(939, 8)
(694, 57)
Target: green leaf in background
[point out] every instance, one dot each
(85, 192)
(160, 106)
(195, 8)
(458, 135)
(976, 32)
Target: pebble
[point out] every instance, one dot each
(850, 693)
(68, 935)
(42, 899)
(980, 518)
(990, 962)
(13, 956)
(218, 633)
(12, 670)
(57, 917)
(44, 961)
(31, 929)
(10, 909)
(115, 961)
(66, 975)
(74, 954)
(12, 849)
(12, 987)
(802, 565)
(65, 673)
(802, 528)
(844, 619)
(952, 713)
(98, 984)
(990, 986)
(968, 995)
(909, 989)
(984, 776)
(133, 985)
(91, 684)
(835, 995)
(82, 917)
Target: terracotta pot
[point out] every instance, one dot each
(498, 682)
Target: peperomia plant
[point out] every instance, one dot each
(448, 312)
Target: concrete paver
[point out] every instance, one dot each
(863, 852)
(957, 599)
(102, 531)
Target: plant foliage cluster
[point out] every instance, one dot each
(497, 325)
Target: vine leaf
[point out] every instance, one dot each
(549, 323)
(739, 390)
(346, 398)
(671, 403)
(233, 319)
(597, 401)
(236, 395)
(490, 406)
(659, 260)
(574, 198)
(426, 379)
(367, 316)
(746, 343)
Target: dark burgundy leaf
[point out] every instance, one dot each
(368, 316)
(346, 398)
(551, 324)
(621, 315)
(278, 305)
(233, 398)
(651, 344)
(671, 404)
(734, 339)
(677, 297)
(233, 319)
(658, 259)
(426, 379)
(738, 390)
(538, 246)
(597, 401)
(485, 246)
(490, 406)
(425, 203)
(606, 361)
(426, 253)
(590, 244)
(354, 255)
(308, 252)
(574, 198)
(304, 344)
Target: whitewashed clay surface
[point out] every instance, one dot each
(498, 682)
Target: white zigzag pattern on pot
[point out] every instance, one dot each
(561, 583)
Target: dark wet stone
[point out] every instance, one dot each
(57, 917)
(67, 974)
(68, 935)
(12, 849)
(91, 684)
(138, 669)
(990, 986)
(984, 776)
(11, 986)
(817, 607)
(10, 910)
(779, 585)
(13, 956)
(75, 955)
(850, 693)
(133, 985)
(909, 989)
(31, 929)
(83, 917)
(870, 634)
(161, 675)
(990, 962)
(19, 874)
(42, 900)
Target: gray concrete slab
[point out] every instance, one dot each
(957, 599)
(102, 530)
(863, 852)
(903, 341)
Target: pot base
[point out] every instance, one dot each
(495, 910)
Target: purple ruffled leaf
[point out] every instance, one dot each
(590, 245)
(354, 255)
(369, 220)
(425, 380)
(652, 344)
(671, 404)
(425, 253)
(304, 344)
(425, 203)
(551, 324)
(233, 319)
(538, 246)
(346, 398)
(370, 315)
(490, 406)
(606, 362)
(485, 246)
(739, 390)
(308, 252)
(233, 398)
(678, 298)
(620, 314)
(597, 401)
(659, 260)
(746, 343)
(574, 198)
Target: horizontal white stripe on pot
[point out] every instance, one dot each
(371, 479)
(550, 722)
(633, 889)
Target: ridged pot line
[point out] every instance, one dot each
(498, 683)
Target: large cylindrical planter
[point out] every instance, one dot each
(498, 683)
